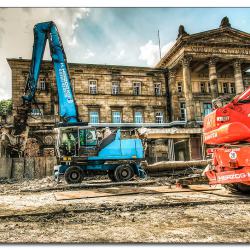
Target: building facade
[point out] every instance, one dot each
(170, 100)
(206, 65)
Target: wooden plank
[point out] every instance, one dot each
(119, 191)
(18, 168)
(29, 168)
(5, 167)
(71, 195)
(50, 162)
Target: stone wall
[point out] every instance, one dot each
(104, 102)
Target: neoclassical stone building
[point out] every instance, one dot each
(170, 100)
(203, 66)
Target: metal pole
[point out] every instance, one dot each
(159, 42)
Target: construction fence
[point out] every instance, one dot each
(27, 168)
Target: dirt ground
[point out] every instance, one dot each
(170, 216)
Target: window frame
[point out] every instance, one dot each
(209, 87)
(232, 87)
(158, 90)
(38, 112)
(141, 117)
(139, 88)
(179, 87)
(92, 81)
(83, 138)
(161, 116)
(183, 111)
(112, 115)
(113, 88)
(42, 84)
(98, 116)
(204, 104)
(203, 87)
(225, 86)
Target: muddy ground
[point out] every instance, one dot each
(172, 216)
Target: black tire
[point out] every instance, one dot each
(111, 175)
(123, 172)
(73, 175)
(238, 188)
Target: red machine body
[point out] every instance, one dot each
(228, 129)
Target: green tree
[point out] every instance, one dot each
(5, 107)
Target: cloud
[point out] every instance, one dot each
(149, 52)
(88, 54)
(121, 54)
(16, 35)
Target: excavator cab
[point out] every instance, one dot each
(76, 142)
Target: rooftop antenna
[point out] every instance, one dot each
(159, 42)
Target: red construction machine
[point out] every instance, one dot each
(227, 132)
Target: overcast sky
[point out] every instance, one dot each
(123, 36)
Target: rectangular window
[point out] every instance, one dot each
(209, 87)
(138, 117)
(157, 89)
(203, 87)
(232, 87)
(94, 117)
(42, 84)
(137, 88)
(183, 111)
(225, 87)
(87, 137)
(159, 117)
(179, 87)
(207, 107)
(116, 117)
(115, 88)
(36, 112)
(93, 87)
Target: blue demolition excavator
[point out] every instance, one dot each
(79, 150)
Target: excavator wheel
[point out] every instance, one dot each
(238, 188)
(73, 175)
(111, 175)
(124, 172)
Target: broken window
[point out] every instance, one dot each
(159, 117)
(232, 87)
(115, 88)
(157, 89)
(93, 87)
(225, 87)
(137, 88)
(203, 87)
(36, 112)
(183, 111)
(179, 87)
(209, 87)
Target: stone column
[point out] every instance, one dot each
(188, 89)
(239, 87)
(213, 77)
(173, 95)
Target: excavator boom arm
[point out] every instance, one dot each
(43, 32)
